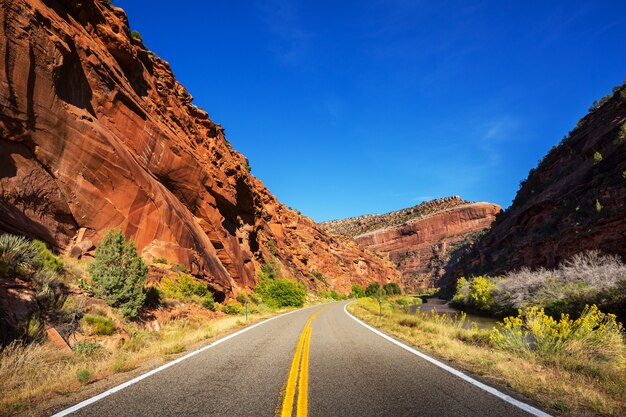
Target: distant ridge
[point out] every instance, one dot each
(359, 225)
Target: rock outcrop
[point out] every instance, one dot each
(575, 200)
(418, 240)
(96, 133)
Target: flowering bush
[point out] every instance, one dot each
(594, 335)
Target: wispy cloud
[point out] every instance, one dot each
(494, 136)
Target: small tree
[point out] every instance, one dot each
(118, 273)
(357, 291)
(372, 289)
(391, 288)
(481, 293)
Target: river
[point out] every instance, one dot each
(440, 306)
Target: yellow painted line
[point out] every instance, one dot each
(303, 383)
(302, 351)
(290, 392)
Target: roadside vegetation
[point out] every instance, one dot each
(571, 366)
(585, 279)
(113, 319)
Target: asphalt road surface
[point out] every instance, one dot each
(312, 362)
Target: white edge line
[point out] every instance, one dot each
(127, 384)
(519, 404)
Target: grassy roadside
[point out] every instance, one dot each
(568, 388)
(36, 377)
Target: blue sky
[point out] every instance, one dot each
(355, 107)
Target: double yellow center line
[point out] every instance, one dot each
(300, 361)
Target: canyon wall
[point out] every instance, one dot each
(96, 133)
(574, 200)
(418, 240)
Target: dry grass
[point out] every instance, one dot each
(32, 374)
(568, 388)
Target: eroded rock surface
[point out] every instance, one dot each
(419, 239)
(96, 133)
(575, 200)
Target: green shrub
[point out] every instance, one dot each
(183, 287)
(269, 271)
(87, 348)
(282, 292)
(336, 295)
(232, 307)
(372, 289)
(391, 288)
(159, 261)
(136, 35)
(118, 274)
(318, 276)
(33, 328)
(189, 287)
(15, 252)
(208, 302)
(460, 296)
(99, 325)
(597, 157)
(45, 259)
(84, 376)
(357, 291)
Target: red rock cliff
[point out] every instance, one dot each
(96, 133)
(418, 240)
(575, 200)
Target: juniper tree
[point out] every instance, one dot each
(118, 274)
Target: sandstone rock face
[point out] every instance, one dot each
(420, 245)
(96, 133)
(575, 200)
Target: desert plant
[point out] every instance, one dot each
(391, 288)
(84, 376)
(160, 260)
(136, 35)
(282, 292)
(183, 287)
(15, 252)
(87, 348)
(373, 289)
(45, 259)
(232, 307)
(50, 291)
(208, 302)
(597, 157)
(594, 335)
(118, 273)
(268, 271)
(99, 325)
(357, 291)
(586, 278)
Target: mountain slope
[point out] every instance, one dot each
(575, 200)
(418, 239)
(96, 133)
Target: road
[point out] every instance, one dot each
(313, 362)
